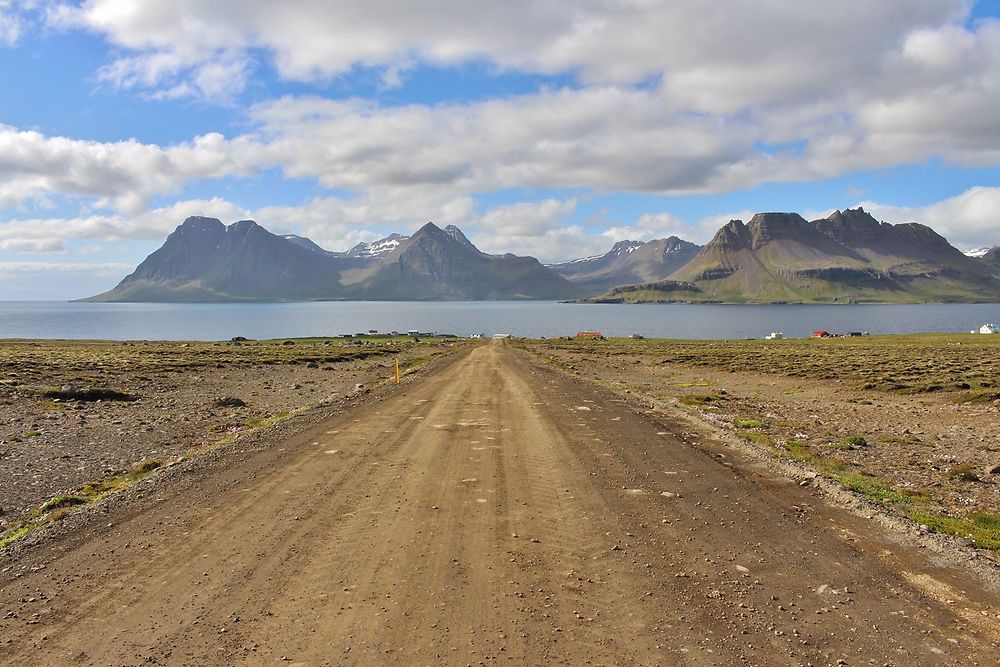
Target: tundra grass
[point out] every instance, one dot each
(964, 366)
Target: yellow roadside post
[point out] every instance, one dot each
(397, 370)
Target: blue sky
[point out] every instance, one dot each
(544, 130)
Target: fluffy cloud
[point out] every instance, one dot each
(968, 220)
(709, 57)
(666, 98)
(11, 23)
(125, 173)
(35, 234)
(600, 138)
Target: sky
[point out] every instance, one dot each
(551, 129)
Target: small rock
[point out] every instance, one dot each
(994, 470)
(229, 402)
(312, 364)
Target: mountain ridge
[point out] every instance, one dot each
(204, 260)
(846, 257)
(775, 257)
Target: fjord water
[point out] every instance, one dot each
(202, 321)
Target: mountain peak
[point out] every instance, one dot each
(456, 233)
(429, 228)
(243, 226)
(377, 248)
(200, 223)
(733, 236)
(625, 247)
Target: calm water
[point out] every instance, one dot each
(148, 321)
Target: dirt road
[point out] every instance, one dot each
(495, 512)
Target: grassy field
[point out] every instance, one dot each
(967, 364)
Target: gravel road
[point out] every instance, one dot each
(495, 511)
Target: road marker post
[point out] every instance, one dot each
(397, 370)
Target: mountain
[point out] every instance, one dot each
(204, 260)
(846, 257)
(377, 248)
(628, 262)
(309, 244)
(992, 258)
(440, 263)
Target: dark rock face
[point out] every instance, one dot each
(992, 257)
(732, 237)
(204, 260)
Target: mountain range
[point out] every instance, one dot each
(846, 257)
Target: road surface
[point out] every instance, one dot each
(495, 512)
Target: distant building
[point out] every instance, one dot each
(501, 335)
(589, 334)
(774, 335)
(988, 329)
(820, 333)
(636, 336)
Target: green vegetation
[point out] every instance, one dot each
(980, 527)
(798, 451)
(755, 437)
(868, 486)
(62, 501)
(964, 472)
(699, 399)
(746, 422)
(850, 442)
(88, 394)
(902, 440)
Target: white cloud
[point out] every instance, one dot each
(600, 138)
(151, 225)
(667, 98)
(95, 268)
(703, 231)
(715, 60)
(33, 245)
(124, 173)
(968, 220)
(11, 23)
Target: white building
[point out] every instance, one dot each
(774, 335)
(988, 329)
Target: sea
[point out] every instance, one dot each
(202, 321)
